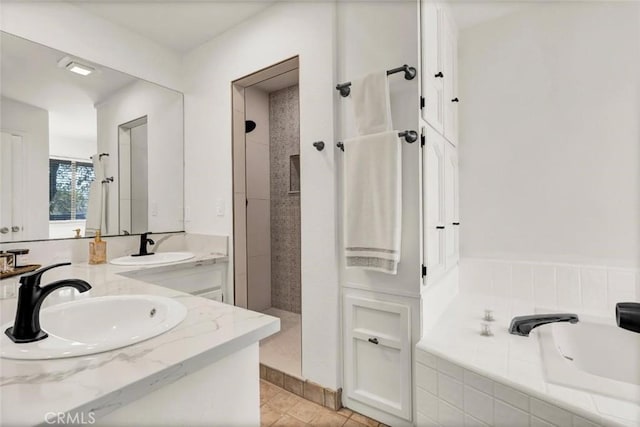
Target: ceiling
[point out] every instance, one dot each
(179, 26)
(29, 73)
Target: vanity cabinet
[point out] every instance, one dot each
(439, 70)
(203, 279)
(377, 354)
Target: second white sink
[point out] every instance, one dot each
(94, 325)
(157, 258)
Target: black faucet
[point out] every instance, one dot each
(143, 245)
(26, 327)
(628, 316)
(522, 325)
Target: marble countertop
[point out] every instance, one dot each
(103, 382)
(513, 360)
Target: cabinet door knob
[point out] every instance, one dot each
(455, 223)
(439, 75)
(440, 227)
(15, 228)
(4, 230)
(455, 100)
(373, 341)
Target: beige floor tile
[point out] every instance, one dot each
(305, 410)
(289, 421)
(364, 420)
(283, 401)
(268, 390)
(345, 411)
(351, 423)
(268, 415)
(328, 418)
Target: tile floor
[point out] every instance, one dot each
(283, 351)
(279, 408)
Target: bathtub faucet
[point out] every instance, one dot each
(628, 316)
(522, 325)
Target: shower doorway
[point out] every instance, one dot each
(266, 187)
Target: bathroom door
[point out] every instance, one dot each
(11, 187)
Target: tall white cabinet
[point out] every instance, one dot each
(381, 315)
(439, 138)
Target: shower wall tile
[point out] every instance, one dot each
(285, 206)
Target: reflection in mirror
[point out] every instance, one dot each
(85, 147)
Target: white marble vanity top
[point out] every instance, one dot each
(104, 382)
(511, 359)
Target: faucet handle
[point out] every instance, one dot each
(34, 278)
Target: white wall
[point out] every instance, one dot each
(72, 148)
(32, 123)
(364, 45)
(70, 29)
(550, 152)
(280, 32)
(164, 111)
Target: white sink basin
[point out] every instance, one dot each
(157, 258)
(94, 325)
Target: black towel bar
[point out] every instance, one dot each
(409, 74)
(410, 136)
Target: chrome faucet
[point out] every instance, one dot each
(144, 240)
(26, 327)
(522, 325)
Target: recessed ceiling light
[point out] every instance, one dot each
(83, 70)
(75, 66)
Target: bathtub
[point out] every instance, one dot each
(594, 355)
(511, 380)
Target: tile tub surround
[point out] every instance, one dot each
(464, 377)
(587, 288)
(284, 127)
(107, 381)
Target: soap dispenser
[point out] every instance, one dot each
(97, 250)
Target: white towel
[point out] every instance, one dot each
(371, 104)
(373, 201)
(96, 200)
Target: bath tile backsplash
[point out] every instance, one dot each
(552, 285)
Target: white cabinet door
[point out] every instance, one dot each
(451, 205)
(433, 164)
(12, 190)
(378, 354)
(432, 64)
(450, 66)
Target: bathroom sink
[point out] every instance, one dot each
(157, 258)
(94, 325)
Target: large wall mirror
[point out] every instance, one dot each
(85, 148)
